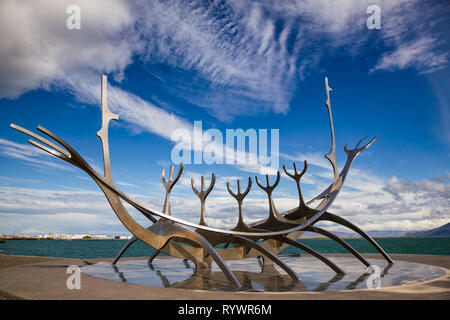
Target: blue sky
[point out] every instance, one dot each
(230, 64)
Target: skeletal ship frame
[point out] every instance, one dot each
(204, 244)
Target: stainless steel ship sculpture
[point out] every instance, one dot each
(203, 244)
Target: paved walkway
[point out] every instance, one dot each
(23, 277)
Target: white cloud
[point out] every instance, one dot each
(396, 204)
(313, 158)
(246, 55)
(425, 188)
(420, 54)
(30, 155)
(126, 184)
(38, 50)
(144, 115)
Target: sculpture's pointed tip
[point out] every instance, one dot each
(104, 81)
(16, 127)
(372, 141)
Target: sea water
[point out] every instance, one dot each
(84, 249)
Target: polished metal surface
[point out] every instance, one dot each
(176, 273)
(263, 239)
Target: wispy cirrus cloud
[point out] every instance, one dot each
(419, 54)
(38, 50)
(29, 154)
(249, 56)
(144, 115)
(231, 57)
(442, 118)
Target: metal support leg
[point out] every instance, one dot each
(153, 256)
(269, 255)
(310, 251)
(334, 218)
(340, 241)
(127, 245)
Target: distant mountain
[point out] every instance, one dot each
(442, 231)
(354, 235)
(386, 234)
(312, 235)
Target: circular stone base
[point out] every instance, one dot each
(254, 276)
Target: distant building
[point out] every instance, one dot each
(100, 237)
(78, 236)
(57, 236)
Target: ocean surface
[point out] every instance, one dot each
(84, 249)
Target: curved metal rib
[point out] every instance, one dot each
(125, 248)
(310, 251)
(197, 238)
(193, 236)
(334, 218)
(340, 241)
(153, 256)
(269, 255)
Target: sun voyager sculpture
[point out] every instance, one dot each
(204, 244)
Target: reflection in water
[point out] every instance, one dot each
(365, 275)
(256, 276)
(385, 270)
(186, 264)
(354, 284)
(164, 280)
(324, 286)
(121, 276)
